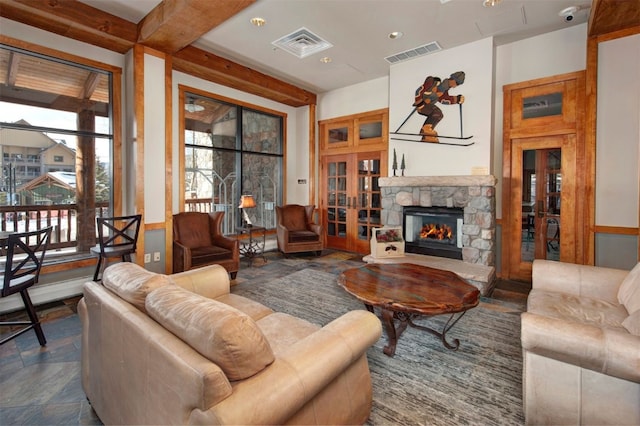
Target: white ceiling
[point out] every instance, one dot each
(358, 31)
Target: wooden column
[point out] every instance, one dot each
(85, 182)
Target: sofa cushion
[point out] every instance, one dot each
(303, 236)
(573, 308)
(632, 323)
(219, 332)
(132, 282)
(206, 255)
(629, 291)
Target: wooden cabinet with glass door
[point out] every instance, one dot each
(353, 158)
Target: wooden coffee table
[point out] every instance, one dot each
(405, 291)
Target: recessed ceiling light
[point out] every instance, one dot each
(325, 60)
(258, 22)
(396, 34)
(490, 3)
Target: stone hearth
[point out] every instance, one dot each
(475, 194)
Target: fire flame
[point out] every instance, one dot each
(436, 232)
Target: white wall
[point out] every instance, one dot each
(154, 140)
(368, 96)
(558, 52)
(429, 159)
(618, 132)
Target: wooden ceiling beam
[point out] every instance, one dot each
(90, 85)
(613, 15)
(174, 24)
(206, 65)
(75, 20)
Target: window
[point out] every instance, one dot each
(231, 150)
(54, 110)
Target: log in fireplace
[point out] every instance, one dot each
(434, 231)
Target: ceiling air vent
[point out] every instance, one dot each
(302, 43)
(414, 53)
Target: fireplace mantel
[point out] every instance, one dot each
(410, 181)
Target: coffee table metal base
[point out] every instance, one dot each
(394, 333)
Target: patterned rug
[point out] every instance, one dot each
(424, 383)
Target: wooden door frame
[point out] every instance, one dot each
(576, 128)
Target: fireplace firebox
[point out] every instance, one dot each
(433, 231)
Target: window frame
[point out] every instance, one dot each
(182, 97)
(86, 259)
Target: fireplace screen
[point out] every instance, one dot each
(434, 231)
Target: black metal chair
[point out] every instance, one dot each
(25, 253)
(119, 241)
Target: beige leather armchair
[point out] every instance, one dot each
(581, 345)
(198, 241)
(296, 231)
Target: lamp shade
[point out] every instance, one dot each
(247, 202)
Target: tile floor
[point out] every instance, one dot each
(42, 385)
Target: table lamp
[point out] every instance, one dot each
(246, 202)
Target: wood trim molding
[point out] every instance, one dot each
(154, 226)
(168, 155)
(616, 230)
(313, 158)
(138, 107)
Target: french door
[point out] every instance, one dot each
(543, 185)
(542, 202)
(350, 199)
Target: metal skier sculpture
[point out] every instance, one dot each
(432, 91)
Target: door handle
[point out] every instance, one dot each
(348, 202)
(355, 204)
(540, 208)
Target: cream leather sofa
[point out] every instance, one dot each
(182, 349)
(581, 345)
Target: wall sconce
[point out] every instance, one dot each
(246, 202)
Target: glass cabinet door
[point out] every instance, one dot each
(335, 219)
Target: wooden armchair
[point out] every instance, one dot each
(296, 231)
(198, 241)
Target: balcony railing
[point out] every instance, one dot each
(62, 217)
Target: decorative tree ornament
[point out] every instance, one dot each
(394, 166)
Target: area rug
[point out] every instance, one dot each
(424, 383)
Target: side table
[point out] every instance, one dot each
(253, 246)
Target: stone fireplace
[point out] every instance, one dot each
(473, 195)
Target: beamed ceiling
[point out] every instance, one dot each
(172, 27)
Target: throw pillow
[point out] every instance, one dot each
(629, 291)
(219, 332)
(132, 282)
(632, 323)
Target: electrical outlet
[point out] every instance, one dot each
(147, 257)
(156, 256)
